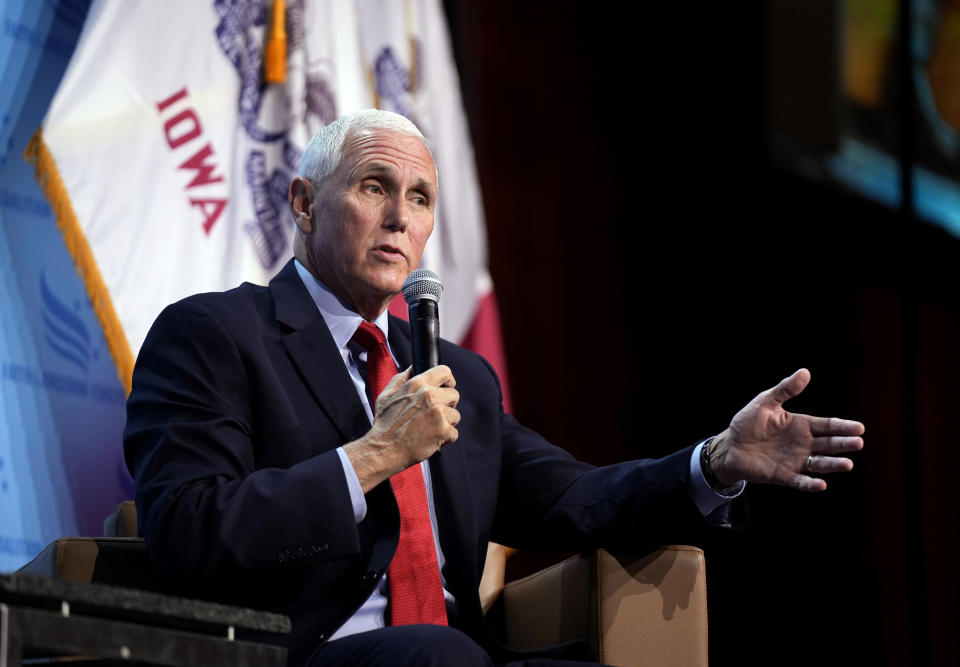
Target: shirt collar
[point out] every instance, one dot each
(341, 321)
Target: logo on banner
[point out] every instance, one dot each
(64, 331)
(68, 337)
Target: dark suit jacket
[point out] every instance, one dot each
(239, 401)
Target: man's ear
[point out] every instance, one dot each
(301, 204)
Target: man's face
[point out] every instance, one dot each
(372, 218)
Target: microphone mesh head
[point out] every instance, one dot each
(422, 284)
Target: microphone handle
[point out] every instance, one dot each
(425, 329)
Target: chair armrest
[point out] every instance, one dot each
(123, 521)
(121, 561)
(634, 608)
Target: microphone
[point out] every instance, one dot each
(421, 291)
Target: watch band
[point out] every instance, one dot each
(708, 474)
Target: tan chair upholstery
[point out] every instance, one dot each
(648, 609)
(123, 522)
(494, 573)
(121, 561)
(119, 558)
(635, 609)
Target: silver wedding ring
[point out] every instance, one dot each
(808, 464)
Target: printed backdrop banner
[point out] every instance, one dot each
(61, 404)
(166, 158)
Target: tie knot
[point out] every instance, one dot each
(369, 336)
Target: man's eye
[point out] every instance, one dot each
(373, 188)
(419, 200)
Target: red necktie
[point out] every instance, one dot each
(416, 594)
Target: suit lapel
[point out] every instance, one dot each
(399, 336)
(456, 514)
(315, 355)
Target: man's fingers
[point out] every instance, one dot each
(438, 376)
(448, 396)
(837, 443)
(790, 386)
(833, 426)
(824, 465)
(401, 376)
(452, 415)
(809, 484)
(453, 418)
(396, 382)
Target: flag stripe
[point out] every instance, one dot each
(484, 338)
(48, 178)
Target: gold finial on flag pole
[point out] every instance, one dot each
(275, 62)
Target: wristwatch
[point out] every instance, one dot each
(706, 451)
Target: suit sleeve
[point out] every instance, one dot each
(204, 507)
(549, 500)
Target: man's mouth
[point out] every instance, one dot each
(390, 251)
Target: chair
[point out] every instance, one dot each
(633, 608)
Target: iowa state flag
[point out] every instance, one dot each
(166, 156)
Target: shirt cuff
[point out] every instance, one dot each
(706, 498)
(357, 498)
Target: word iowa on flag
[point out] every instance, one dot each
(182, 128)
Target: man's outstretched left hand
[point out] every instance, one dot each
(764, 443)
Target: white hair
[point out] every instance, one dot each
(325, 150)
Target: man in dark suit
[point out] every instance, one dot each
(266, 456)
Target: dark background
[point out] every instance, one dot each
(655, 270)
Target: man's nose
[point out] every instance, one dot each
(396, 217)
